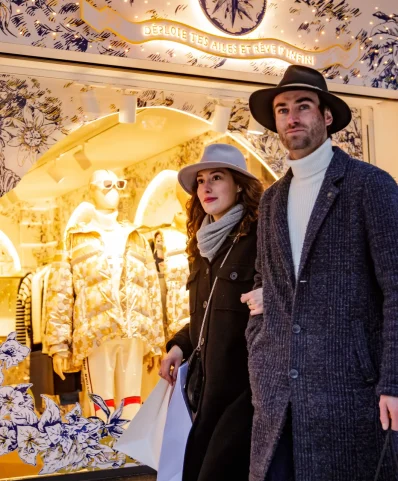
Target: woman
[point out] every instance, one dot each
(223, 208)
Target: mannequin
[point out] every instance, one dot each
(104, 307)
(176, 268)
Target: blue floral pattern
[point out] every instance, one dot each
(308, 24)
(64, 445)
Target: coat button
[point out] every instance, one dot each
(207, 270)
(202, 341)
(293, 373)
(233, 276)
(330, 195)
(205, 305)
(296, 329)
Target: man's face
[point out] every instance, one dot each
(301, 126)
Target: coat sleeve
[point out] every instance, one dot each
(254, 324)
(183, 341)
(380, 203)
(59, 305)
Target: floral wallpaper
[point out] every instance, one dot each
(59, 445)
(313, 25)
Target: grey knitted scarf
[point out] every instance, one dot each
(212, 235)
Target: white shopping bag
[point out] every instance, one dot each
(176, 431)
(142, 440)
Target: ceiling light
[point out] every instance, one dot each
(56, 173)
(128, 109)
(82, 159)
(90, 104)
(220, 119)
(254, 127)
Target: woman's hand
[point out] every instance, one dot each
(170, 364)
(254, 300)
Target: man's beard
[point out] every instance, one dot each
(303, 140)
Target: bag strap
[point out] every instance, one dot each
(198, 347)
(383, 453)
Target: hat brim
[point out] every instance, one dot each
(187, 175)
(261, 107)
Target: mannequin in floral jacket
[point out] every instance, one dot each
(103, 309)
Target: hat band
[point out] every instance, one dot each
(302, 85)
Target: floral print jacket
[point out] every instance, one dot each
(176, 272)
(82, 309)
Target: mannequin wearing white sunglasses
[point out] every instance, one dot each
(113, 369)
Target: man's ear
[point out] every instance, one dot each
(328, 117)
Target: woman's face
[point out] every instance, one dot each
(217, 191)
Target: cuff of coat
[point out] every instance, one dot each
(186, 351)
(387, 391)
(60, 349)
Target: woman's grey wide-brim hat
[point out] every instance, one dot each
(215, 156)
(298, 77)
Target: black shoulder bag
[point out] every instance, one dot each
(195, 374)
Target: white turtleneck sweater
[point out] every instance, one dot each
(308, 175)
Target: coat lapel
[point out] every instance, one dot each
(281, 226)
(324, 202)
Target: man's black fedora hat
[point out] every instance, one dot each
(298, 77)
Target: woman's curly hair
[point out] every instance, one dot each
(249, 197)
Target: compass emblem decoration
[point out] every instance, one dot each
(235, 17)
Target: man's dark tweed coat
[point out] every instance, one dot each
(328, 341)
(218, 447)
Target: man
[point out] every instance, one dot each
(323, 356)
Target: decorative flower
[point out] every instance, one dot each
(30, 443)
(8, 438)
(7, 131)
(32, 135)
(60, 434)
(10, 400)
(12, 352)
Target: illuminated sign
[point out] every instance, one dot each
(236, 48)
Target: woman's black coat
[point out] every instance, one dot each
(218, 447)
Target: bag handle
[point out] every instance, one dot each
(383, 453)
(198, 347)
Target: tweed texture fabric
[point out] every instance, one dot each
(328, 341)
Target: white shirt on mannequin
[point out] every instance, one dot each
(308, 175)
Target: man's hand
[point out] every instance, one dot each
(389, 410)
(254, 300)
